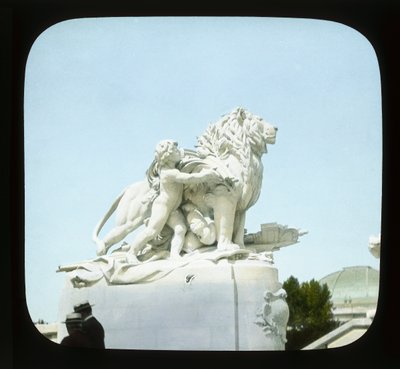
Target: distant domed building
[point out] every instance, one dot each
(354, 291)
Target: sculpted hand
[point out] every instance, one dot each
(212, 175)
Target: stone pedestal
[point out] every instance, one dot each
(224, 305)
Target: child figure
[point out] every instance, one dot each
(165, 206)
(202, 230)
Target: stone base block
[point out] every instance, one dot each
(228, 305)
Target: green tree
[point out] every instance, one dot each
(310, 310)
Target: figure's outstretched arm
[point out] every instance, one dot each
(193, 178)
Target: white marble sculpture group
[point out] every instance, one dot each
(190, 249)
(201, 196)
(191, 205)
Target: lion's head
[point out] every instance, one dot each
(234, 132)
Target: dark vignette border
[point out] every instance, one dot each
(23, 21)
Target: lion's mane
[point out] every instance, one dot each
(238, 136)
(236, 133)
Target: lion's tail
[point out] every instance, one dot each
(100, 224)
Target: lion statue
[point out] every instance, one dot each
(233, 146)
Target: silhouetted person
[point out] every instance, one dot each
(91, 326)
(76, 336)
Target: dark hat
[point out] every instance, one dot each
(73, 318)
(82, 306)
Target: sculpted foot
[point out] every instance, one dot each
(124, 246)
(132, 259)
(101, 248)
(175, 256)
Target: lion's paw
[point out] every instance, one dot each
(227, 246)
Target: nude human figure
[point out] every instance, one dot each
(165, 207)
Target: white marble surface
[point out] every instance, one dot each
(206, 306)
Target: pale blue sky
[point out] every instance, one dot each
(100, 93)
